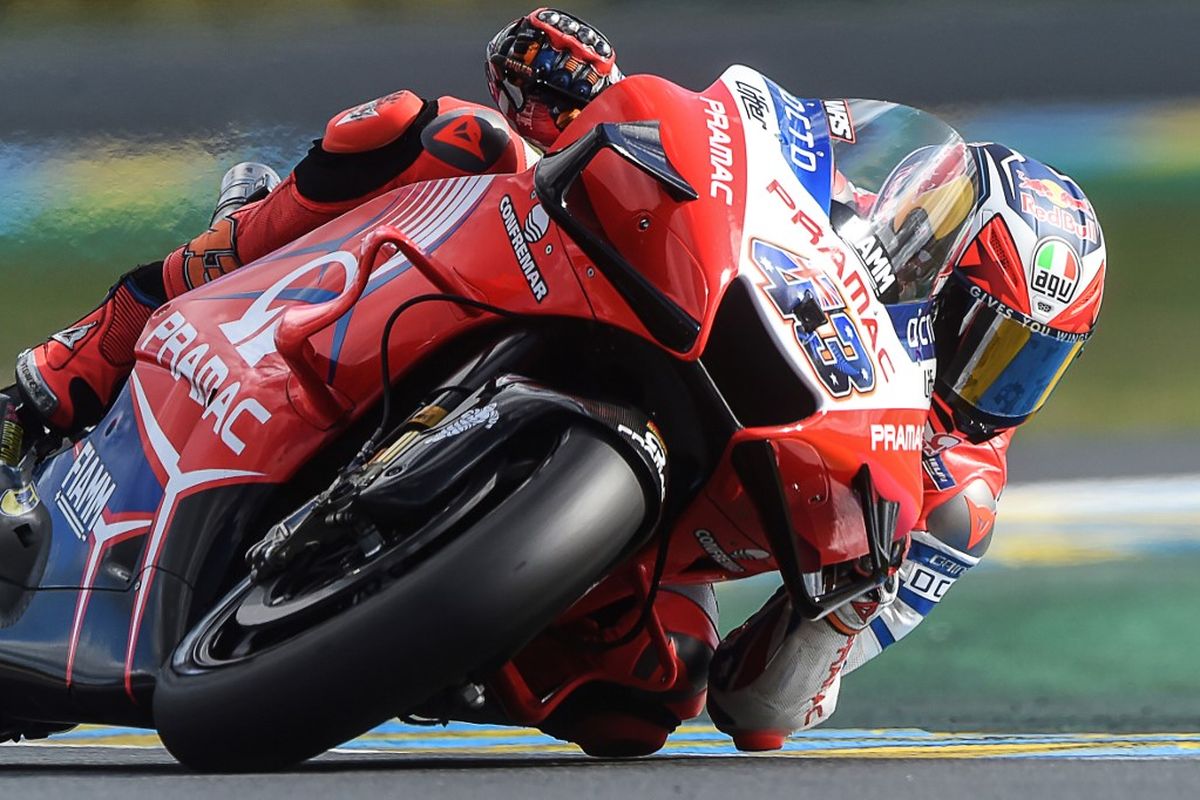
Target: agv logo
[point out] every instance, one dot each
(1055, 270)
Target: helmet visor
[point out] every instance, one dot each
(1005, 364)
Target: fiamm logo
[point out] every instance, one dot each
(85, 491)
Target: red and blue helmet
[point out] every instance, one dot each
(542, 69)
(1022, 299)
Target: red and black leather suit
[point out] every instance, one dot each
(367, 150)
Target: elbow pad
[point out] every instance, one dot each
(372, 125)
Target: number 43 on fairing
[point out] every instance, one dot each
(833, 346)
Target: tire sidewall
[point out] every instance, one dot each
(473, 602)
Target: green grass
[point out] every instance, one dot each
(1139, 372)
(1103, 647)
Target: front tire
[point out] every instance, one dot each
(473, 602)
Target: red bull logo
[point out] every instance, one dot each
(1063, 218)
(1056, 193)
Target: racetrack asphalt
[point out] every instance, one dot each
(38, 772)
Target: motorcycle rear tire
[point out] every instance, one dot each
(475, 601)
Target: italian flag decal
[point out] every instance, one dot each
(1055, 271)
(1057, 256)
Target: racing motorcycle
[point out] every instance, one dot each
(690, 345)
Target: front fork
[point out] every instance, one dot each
(481, 409)
(332, 512)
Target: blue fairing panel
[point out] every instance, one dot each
(99, 492)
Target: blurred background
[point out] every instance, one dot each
(117, 119)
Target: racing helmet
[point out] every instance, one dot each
(542, 69)
(1022, 298)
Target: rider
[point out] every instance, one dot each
(1020, 304)
(542, 69)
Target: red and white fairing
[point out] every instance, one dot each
(878, 423)
(781, 211)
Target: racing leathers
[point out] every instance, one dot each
(778, 673)
(393, 141)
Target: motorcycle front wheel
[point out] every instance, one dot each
(255, 686)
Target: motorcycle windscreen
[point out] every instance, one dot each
(904, 186)
(1006, 364)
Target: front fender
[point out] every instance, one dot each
(508, 408)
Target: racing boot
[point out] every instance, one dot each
(609, 719)
(221, 249)
(243, 184)
(71, 379)
(780, 673)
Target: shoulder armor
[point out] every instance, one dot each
(372, 125)
(468, 137)
(964, 521)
